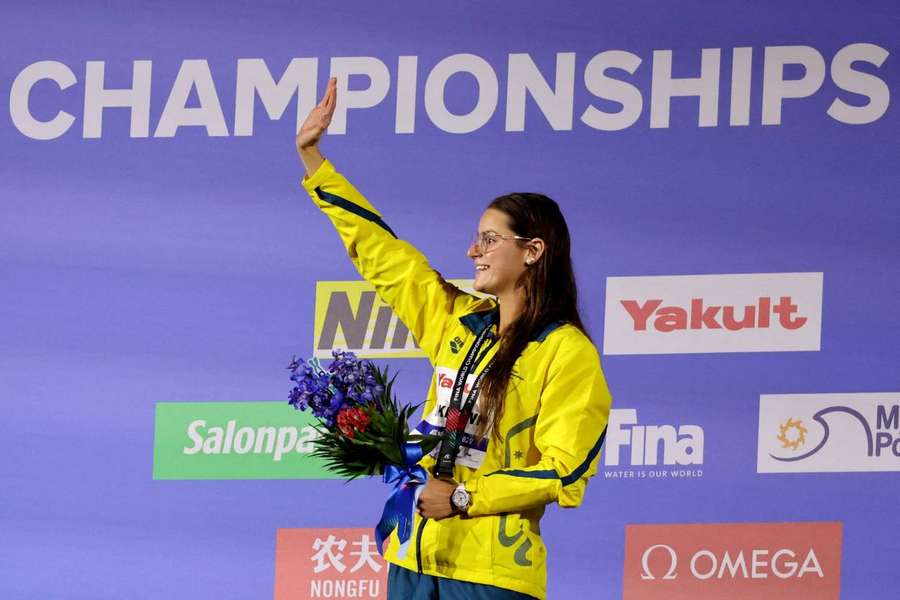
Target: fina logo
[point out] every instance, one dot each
(631, 445)
(829, 432)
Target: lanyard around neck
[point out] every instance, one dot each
(459, 412)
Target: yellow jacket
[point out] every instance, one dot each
(552, 427)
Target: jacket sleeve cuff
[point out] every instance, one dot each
(325, 170)
(476, 504)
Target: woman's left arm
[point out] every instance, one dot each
(568, 431)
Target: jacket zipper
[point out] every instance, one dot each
(419, 544)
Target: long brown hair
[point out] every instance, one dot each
(550, 294)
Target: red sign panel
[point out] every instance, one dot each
(328, 563)
(738, 561)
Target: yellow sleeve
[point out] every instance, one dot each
(402, 277)
(569, 431)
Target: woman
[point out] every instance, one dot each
(537, 400)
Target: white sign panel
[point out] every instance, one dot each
(759, 312)
(814, 433)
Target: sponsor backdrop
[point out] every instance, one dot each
(729, 173)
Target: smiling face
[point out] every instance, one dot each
(498, 269)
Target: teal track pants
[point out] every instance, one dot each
(404, 584)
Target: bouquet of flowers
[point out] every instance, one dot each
(364, 431)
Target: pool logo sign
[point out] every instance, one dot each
(812, 433)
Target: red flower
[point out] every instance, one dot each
(352, 420)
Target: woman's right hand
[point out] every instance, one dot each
(313, 127)
(318, 119)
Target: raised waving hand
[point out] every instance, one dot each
(314, 126)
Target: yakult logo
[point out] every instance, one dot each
(713, 313)
(828, 432)
(768, 561)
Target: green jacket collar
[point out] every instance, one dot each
(476, 321)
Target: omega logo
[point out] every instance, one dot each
(673, 563)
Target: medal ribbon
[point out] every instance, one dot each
(458, 413)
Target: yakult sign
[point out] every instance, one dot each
(759, 312)
(749, 561)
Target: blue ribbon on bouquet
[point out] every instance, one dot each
(399, 510)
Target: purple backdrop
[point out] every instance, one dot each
(139, 270)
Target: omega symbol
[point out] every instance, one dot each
(673, 562)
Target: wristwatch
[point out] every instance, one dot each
(460, 499)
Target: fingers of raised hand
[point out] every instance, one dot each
(329, 98)
(331, 94)
(319, 117)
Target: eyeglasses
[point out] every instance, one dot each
(488, 241)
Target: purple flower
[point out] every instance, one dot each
(346, 383)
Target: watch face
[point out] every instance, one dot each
(460, 499)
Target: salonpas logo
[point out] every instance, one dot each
(351, 316)
(234, 440)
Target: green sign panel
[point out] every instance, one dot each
(234, 440)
